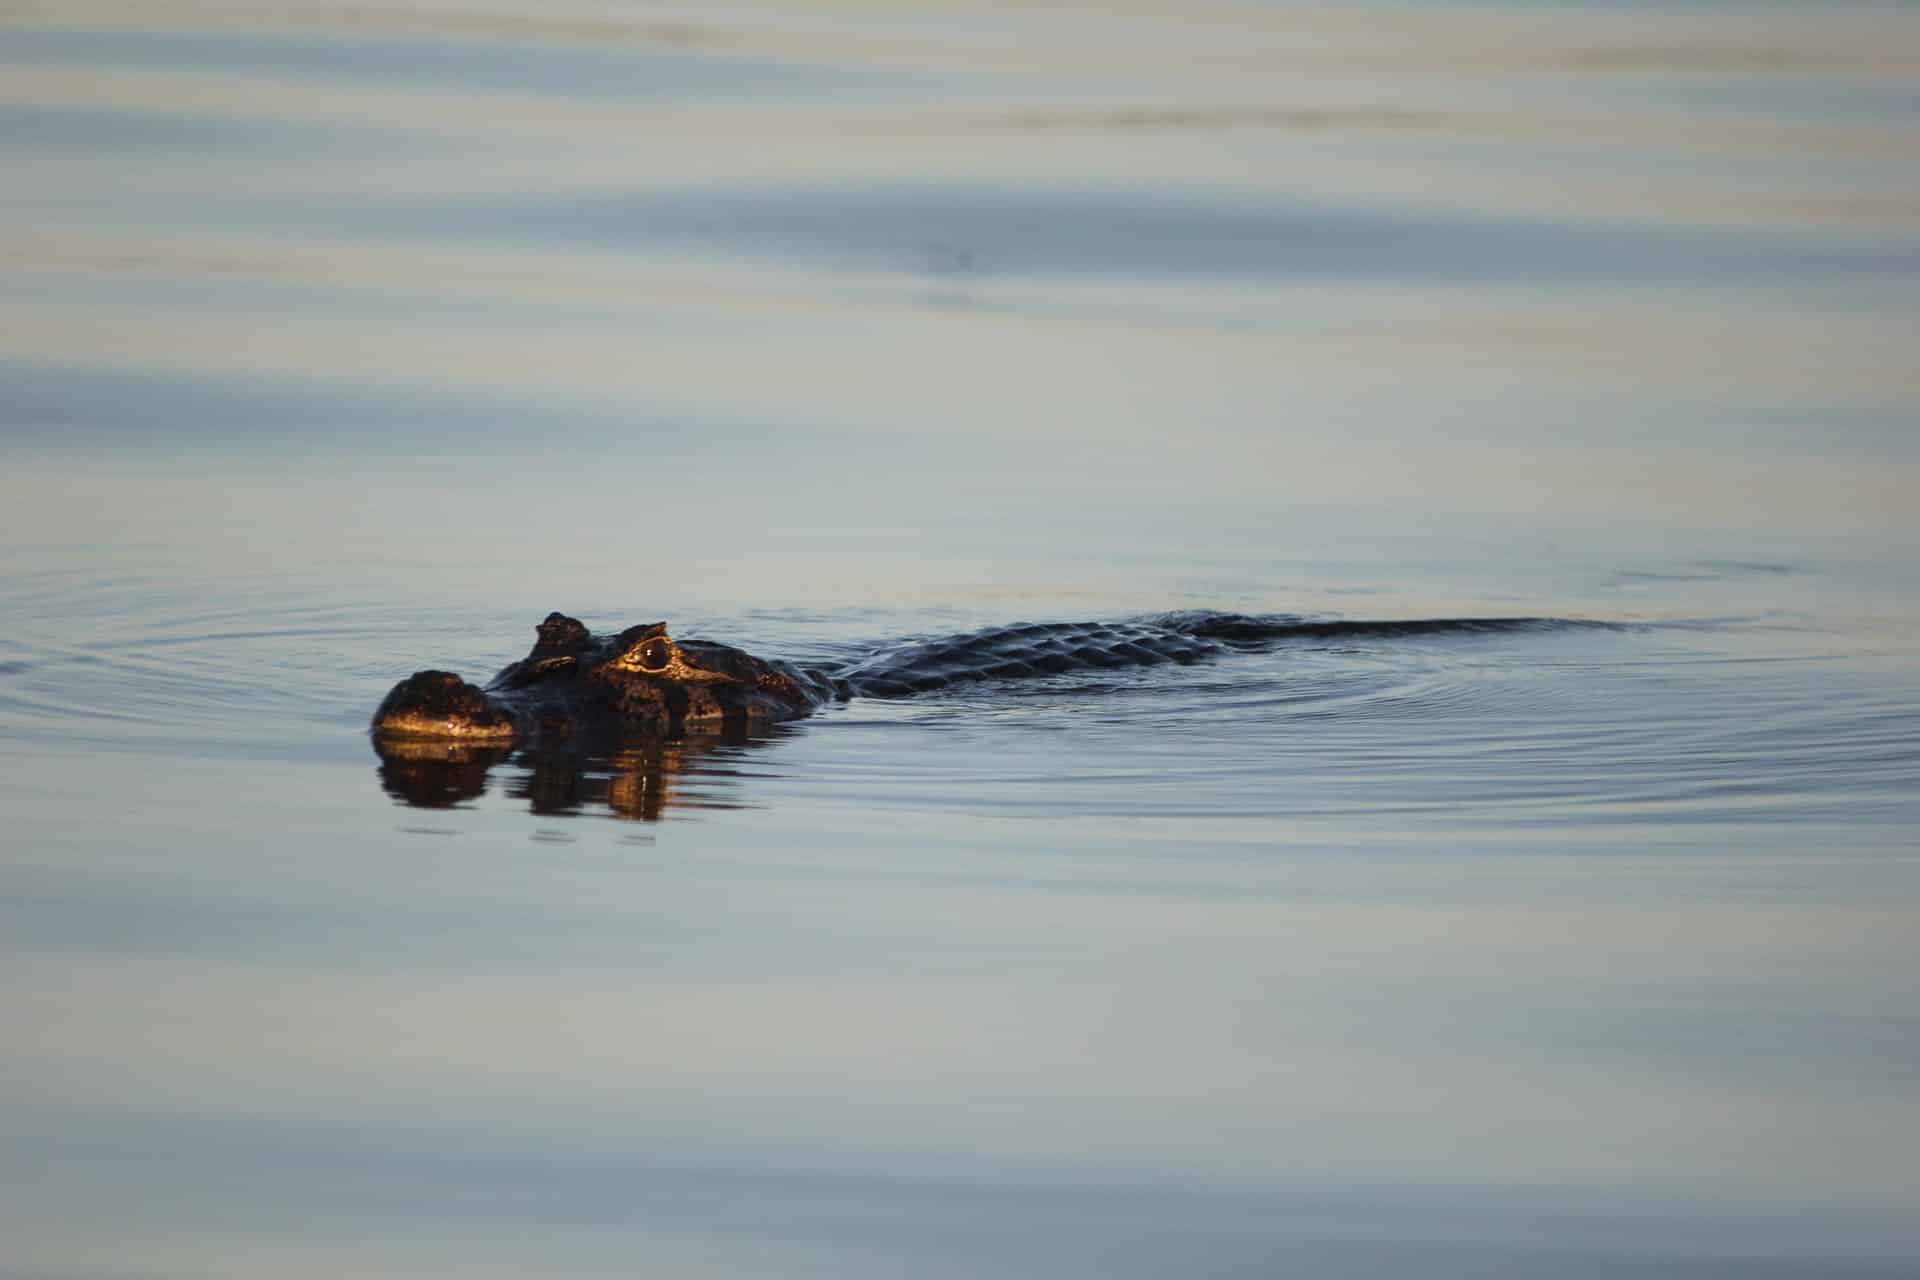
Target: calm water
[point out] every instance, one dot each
(337, 342)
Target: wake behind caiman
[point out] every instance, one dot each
(644, 682)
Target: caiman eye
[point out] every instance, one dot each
(655, 654)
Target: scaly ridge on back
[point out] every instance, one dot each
(1029, 648)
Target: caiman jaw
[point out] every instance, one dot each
(439, 704)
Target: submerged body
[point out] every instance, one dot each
(573, 685)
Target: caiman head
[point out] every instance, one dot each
(641, 680)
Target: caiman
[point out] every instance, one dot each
(643, 682)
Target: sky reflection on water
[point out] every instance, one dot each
(337, 343)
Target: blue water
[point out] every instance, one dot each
(347, 343)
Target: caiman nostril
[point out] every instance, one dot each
(439, 704)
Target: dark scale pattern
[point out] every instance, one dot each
(1025, 650)
(1032, 648)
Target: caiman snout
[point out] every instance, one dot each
(439, 704)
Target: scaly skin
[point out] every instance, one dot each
(574, 686)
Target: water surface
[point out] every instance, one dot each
(336, 344)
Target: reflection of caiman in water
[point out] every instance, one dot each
(638, 779)
(614, 719)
